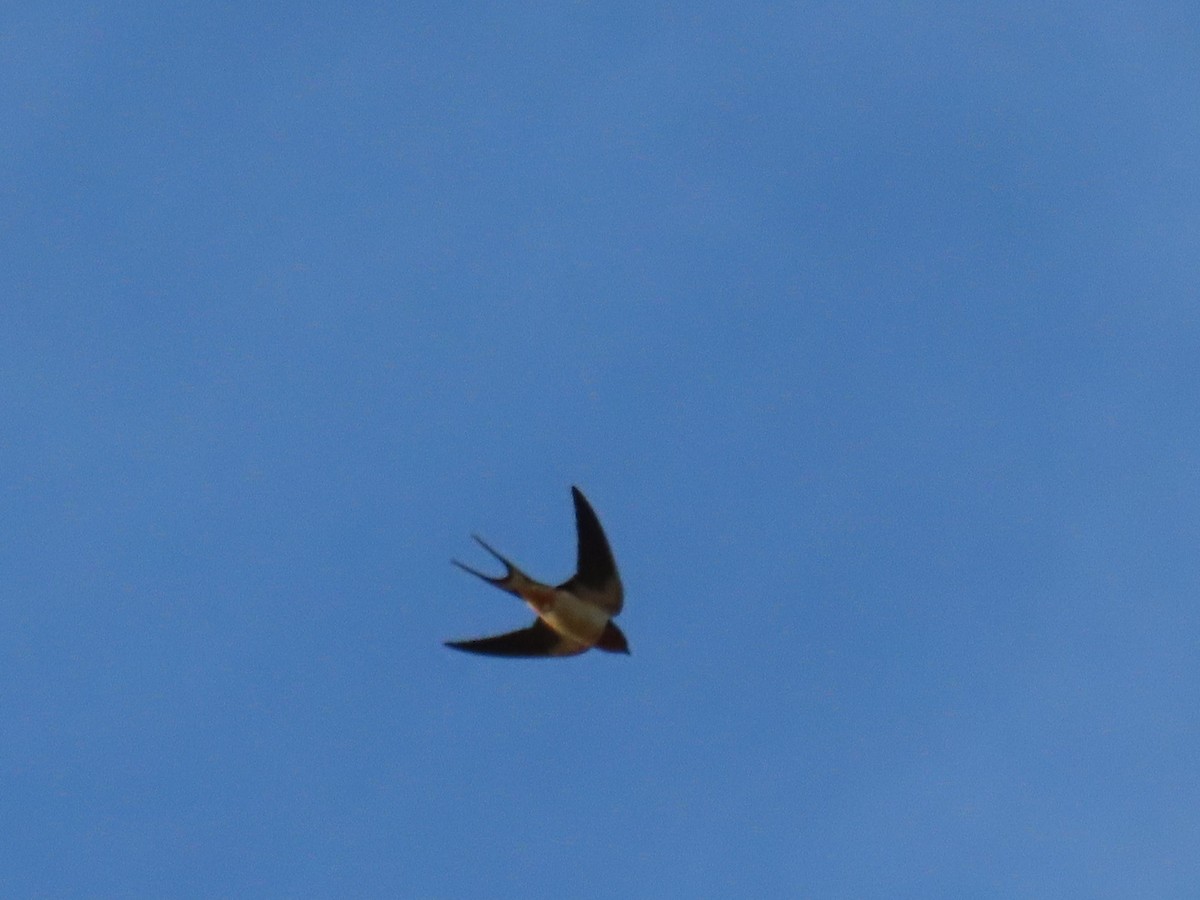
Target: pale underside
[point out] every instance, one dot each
(578, 620)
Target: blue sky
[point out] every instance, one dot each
(869, 330)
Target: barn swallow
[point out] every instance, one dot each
(572, 617)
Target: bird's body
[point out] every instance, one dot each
(571, 617)
(574, 617)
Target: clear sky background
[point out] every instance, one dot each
(870, 330)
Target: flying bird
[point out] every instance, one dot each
(572, 617)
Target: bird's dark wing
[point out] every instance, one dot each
(539, 639)
(596, 577)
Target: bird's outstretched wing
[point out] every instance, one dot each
(595, 577)
(539, 639)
